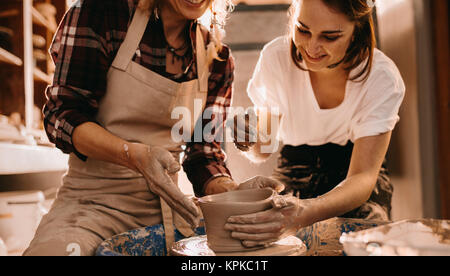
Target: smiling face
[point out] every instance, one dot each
(189, 9)
(321, 34)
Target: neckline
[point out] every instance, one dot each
(314, 99)
(188, 29)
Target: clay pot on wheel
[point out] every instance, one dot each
(218, 208)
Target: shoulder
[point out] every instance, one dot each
(384, 84)
(104, 5)
(278, 46)
(103, 10)
(276, 53)
(384, 71)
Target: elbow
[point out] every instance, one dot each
(370, 182)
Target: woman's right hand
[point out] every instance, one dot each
(245, 130)
(156, 164)
(266, 227)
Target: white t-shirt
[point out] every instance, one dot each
(369, 108)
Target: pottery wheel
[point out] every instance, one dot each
(198, 246)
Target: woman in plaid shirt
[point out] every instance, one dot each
(114, 176)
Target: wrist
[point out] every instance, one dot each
(309, 212)
(132, 154)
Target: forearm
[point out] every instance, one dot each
(95, 142)
(347, 196)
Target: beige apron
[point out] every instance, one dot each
(100, 199)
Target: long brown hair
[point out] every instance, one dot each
(363, 42)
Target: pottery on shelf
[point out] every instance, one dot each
(218, 208)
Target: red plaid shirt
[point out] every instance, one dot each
(84, 48)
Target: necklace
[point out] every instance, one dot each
(174, 51)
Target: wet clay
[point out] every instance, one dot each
(198, 246)
(416, 237)
(218, 208)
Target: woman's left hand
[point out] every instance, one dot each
(220, 185)
(259, 182)
(263, 228)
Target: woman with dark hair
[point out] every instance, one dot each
(338, 99)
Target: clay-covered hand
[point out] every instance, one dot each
(220, 185)
(156, 164)
(264, 228)
(260, 181)
(245, 130)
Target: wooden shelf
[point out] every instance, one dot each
(19, 159)
(40, 20)
(41, 76)
(9, 13)
(7, 57)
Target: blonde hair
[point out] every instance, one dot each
(221, 8)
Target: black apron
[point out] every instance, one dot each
(311, 171)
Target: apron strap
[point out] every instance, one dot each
(122, 60)
(131, 43)
(132, 39)
(202, 66)
(169, 229)
(172, 219)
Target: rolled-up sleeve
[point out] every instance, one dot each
(264, 93)
(80, 50)
(380, 108)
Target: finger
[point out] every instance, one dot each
(270, 227)
(178, 204)
(254, 237)
(195, 200)
(251, 112)
(169, 163)
(283, 202)
(242, 135)
(267, 182)
(180, 208)
(164, 187)
(251, 121)
(255, 218)
(252, 183)
(243, 121)
(245, 126)
(247, 185)
(230, 123)
(241, 147)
